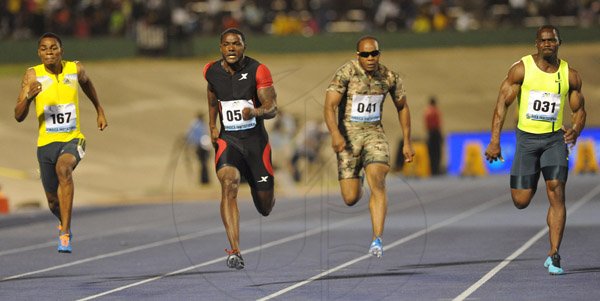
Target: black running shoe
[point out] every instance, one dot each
(235, 260)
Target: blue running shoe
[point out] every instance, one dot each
(553, 265)
(376, 248)
(548, 262)
(64, 244)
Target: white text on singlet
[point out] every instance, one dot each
(366, 108)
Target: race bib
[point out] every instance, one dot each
(543, 106)
(231, 113)
(366, 108)
(60, 118)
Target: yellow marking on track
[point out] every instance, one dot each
(13, 173)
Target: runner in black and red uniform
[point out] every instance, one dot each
(240, 91)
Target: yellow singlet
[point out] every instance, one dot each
(542, 98)
(57, 106)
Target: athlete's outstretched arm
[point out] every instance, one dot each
(577, 104)
(30, 88)
(213, 111)
(509, 89)
(88, 88)
(332, 103)
(404, 118)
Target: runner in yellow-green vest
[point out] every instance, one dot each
(543, 85)
(53, 86)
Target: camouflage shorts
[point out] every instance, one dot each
(363, 147)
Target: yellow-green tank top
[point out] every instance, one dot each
(542, 98)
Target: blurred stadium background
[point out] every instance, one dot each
(146, 57)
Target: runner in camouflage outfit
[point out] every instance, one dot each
(357, 91)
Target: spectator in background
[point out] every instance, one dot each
(433, 123)
(422, 23)
(198, 137)
(253, 16)
(183, 24)
(439, 19)
(308, 145)
(518, 11)
(280, 138)
(387, 11)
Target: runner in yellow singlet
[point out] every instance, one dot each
(544, 85)
(53, 86)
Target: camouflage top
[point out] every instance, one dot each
(363, 93)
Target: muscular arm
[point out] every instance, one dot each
(213, 110)
(332, 102)
(577, 104)
(404, 119)
(88, 88)
(268, 99)
(30, 88)
(509, 89)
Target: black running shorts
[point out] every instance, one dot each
(535, 153)
(48, 156)
(251, 156)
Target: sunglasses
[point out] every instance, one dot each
(365, 54)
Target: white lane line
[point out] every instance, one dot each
(80, 238)
(86, 237)
(417, 234)
(117, 253)
(141, 247)
(523, 248)
(283, 215)
(252, 250)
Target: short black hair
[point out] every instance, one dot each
(50, 35)
(363, 38)
(234, 31)
(551, 27)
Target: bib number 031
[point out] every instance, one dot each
(543, 106)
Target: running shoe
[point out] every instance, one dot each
(553, 265)
(548, 261)
(64, 244)
(59, 227)
(376, 248)
(234, 260)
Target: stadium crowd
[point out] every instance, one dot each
(23, 19)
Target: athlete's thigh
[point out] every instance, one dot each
(75, 147)
(525, 169)
(257, 157)
(554, 160)
(226, 154)
(47, 156)
(350, 160)
(376, 171)
(376, 148)
(70, 155)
